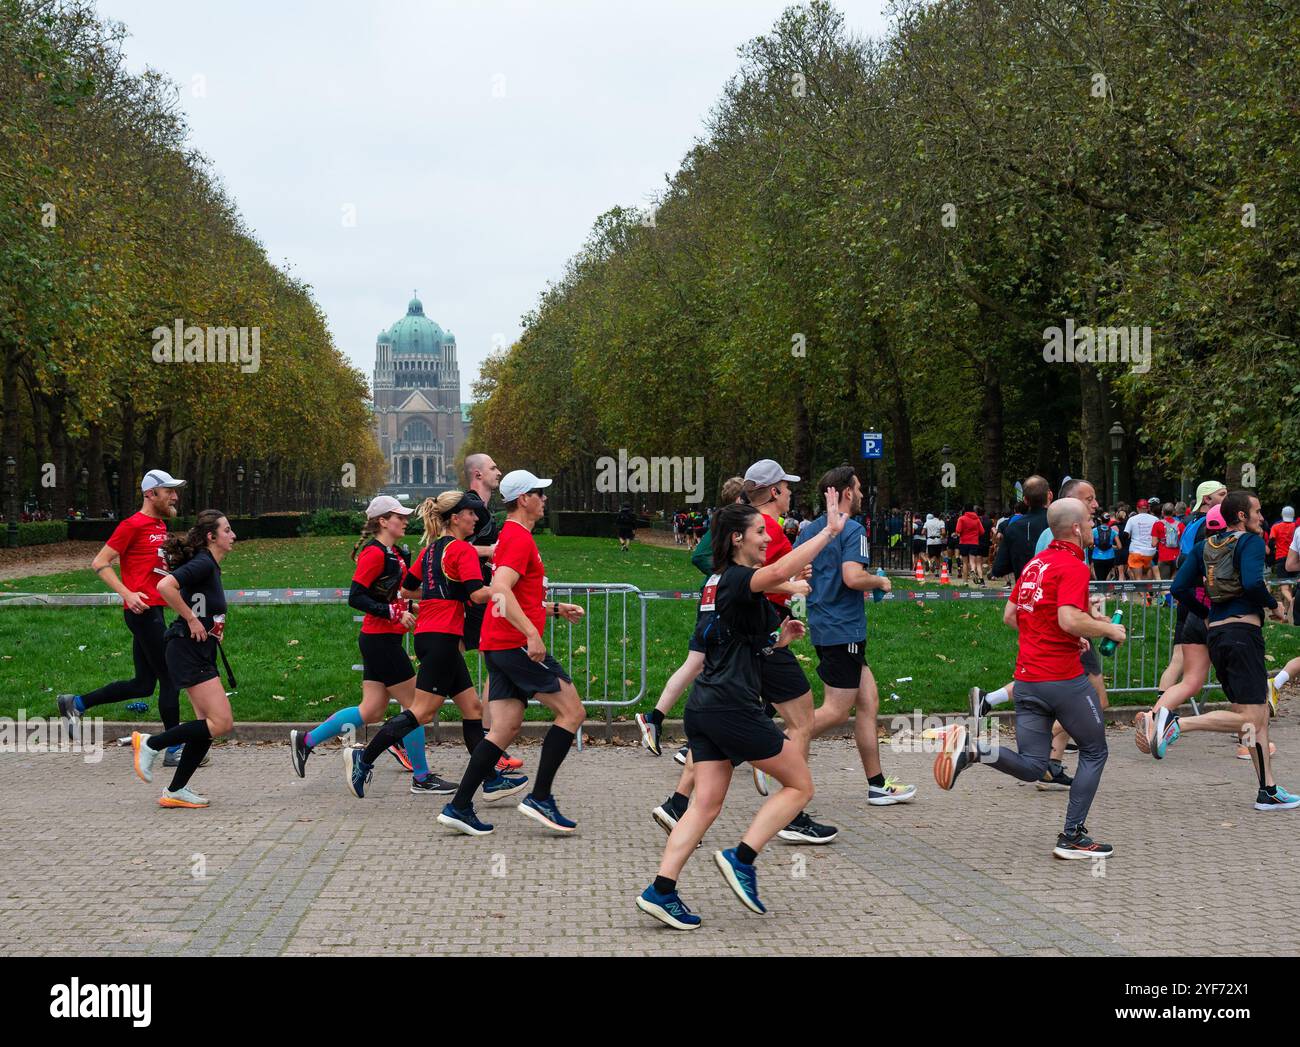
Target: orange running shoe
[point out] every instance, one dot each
(508, 763)
(398, 753)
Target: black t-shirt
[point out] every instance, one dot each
(743, 624)
(200, 584)
(485, 533)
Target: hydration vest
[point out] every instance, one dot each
(1222, 569)
(387, 586)
(435, 585)
(1172, 541)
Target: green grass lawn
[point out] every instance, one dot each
(295, 663)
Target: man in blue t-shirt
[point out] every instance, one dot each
(837, 622)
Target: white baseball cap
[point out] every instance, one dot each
(157, 478)
(1288, 513)
(521, 481)
(768, 473)
(385, 504)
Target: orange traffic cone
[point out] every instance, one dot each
(920, 573)
(943, 574)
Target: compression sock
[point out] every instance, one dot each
(745, 854)
(998, 697)
(555, 747)
(414, 745)
(1259, 764)
(473, 733)
(397, 728)
(181, 734)
(191, 756)
(656, 717)
(663, 885)
(334, 726)
(482, 766)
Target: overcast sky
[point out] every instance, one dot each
(474, 140)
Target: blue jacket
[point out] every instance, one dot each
(1249, 555)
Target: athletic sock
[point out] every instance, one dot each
(664, 885)
(998, 697)
(473, 733)
(415, 752)
(656, 717)
(181, 734)
(482, 766)
(555, 747)
(878, 780)
(1279, 681)
(334, 726)
(1270, 789)
(679, 803)
(1259, 764)
(745, 854)
(191, 756)
(397, 728)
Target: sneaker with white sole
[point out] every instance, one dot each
(892, 792)
(804, 830)
(144, 757)
(185, 797)
(1280, 800)
(649, 733)
(681, 754)
(761, 783)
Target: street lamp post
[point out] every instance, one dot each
(1116, 445)
(257, 491)
(11, 501)
(117, 497)
(85, 486)
(239, 479)
(946, 452)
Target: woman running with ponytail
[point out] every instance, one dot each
(193, 590)
(386, 669)
(445, 578)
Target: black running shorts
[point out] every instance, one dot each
(512, 674)
(1189, 628)
(783, 679)
(442, 666)
(383, 659)
(970, 550)
(739, 733)
(1237, 654)
(190, 663)
(840, 664)
(473, 624)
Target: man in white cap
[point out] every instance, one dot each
(137, 543)
(519, 666)
(1280, 536)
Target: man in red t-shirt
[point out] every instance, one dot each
(1049, 607)
(137, 542)
(1166, 534)
(519, 667)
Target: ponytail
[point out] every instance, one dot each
(434, 511)
(181, 549)
(368, 531)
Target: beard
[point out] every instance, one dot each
(169, 510)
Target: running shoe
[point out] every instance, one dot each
(979, 704)
(1078, 844)
(1274, 696)
(136, 707)
(145, 758)
(68, 710)
(665, 816)
(667, 908)
(892, 792)
(1144, 725)
(356, 772)
(173, 757)
(1243, 753)
(1281, 800)
(465, 821)
(502, 787)
(743, 879)
(1052, 780)
(953, 758)
(182, 798)
(649, 733)
(761, 783)
(804, 830)
(298, 752)
(432, 786)
(398, 753)
(508, 763)
(681, 755)
(1165, 734)
(547, 813)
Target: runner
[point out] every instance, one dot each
(446, 579)
(986, 539)
(1022, 532)
(1229, 567)
(970, 533)
(386, 668)
(1167, 535)
(725, 722)
(1104, 540)
(1050, 609)
(837, 622)
(193, 590)
(1141, 549)
(1280, 536)
(933, 528)
(626, 525)
(520, 667)
(138, 543)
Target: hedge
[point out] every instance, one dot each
(42, 532)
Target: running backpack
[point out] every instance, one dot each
(434, 583)
(1171, 534)
(1223, 566)
(1105, 538)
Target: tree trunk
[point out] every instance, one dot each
(127, 480)
(1093, 429)
(991, 411)
(98, 500)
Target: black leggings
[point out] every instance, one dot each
(150, 669)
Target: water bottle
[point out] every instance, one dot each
(878, 594)
(1107, 646)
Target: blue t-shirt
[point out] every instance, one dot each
(836, 613)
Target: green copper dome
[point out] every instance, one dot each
(415, 334)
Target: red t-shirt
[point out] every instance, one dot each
(459, 564)
(138, 542)
(517, 550)
(1280, 536)
(776, 548)
(1165, 553)
(370, 565)
(1056, 577)
(969, 529)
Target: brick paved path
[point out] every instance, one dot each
(92, 865)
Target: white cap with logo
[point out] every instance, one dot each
(158, 478)
(385, 504)
(1288, 513)
(521, 481)
(767, 473)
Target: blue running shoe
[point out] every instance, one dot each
(356, 772)
(136, 707)
(465, 821)
(743, 879)
(1281, 800)
(667, 908)
(1166, 732)
(502, 787)
(547, 813)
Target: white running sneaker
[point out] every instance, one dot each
(185, 797)
(761, 782)
(145, 758)
(892, 792)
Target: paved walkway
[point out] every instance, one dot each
(283, 866)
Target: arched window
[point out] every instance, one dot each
(417, 431)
